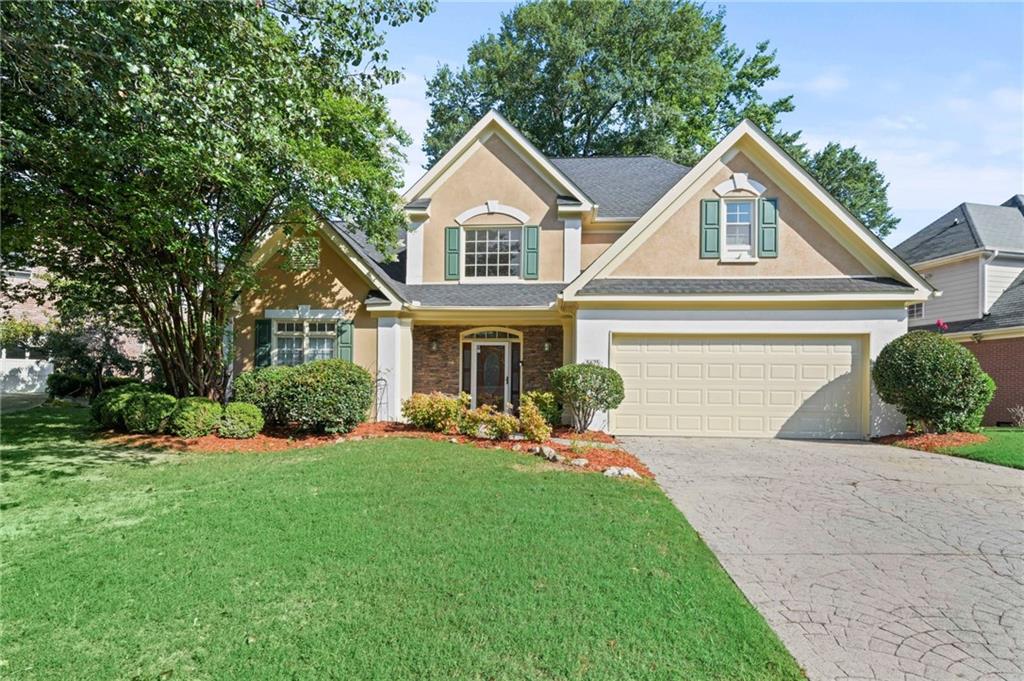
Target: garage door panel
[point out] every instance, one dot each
(754, 387)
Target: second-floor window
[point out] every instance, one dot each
(739, 228)
(493, 252)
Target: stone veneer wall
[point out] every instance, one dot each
(439, 370)
(1003, 360)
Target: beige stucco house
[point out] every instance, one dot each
(736, 297)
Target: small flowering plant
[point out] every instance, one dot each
(941, 326)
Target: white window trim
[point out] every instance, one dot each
(489, 280)
(742, 255)
(492, 207)
(302, 312)
(919, 308)
(306, 335)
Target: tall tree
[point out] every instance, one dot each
(149, 147)
(607, 77)
(595, 77)
(856, 181)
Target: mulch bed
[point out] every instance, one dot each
(932, 442)
(567, 433)
(274, 441)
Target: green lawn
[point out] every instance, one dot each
(1005, 447)
(381, 559)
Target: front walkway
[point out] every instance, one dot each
(870, 562)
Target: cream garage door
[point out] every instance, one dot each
(767, 386)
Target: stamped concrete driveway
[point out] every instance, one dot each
(870, 562)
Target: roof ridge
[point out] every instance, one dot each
(978, 243)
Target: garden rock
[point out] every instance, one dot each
(551, 455)
(580, 462)
(624, 472)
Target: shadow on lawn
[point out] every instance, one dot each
(52, 443)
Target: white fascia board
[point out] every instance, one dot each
(949, 259)
(520, 145)
(756, 298)
(689, 180)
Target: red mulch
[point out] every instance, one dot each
(932, 442)
(567, 433)
(274, 441)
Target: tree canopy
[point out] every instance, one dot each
(603, 77)
(150, 146)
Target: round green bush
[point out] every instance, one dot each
(241, 421)
(587, 389)
(262, 387)
(195, 417)
(329, 395)
(147, 412)
(107, 408)
(59, 384)
(935, 382)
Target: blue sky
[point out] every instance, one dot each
(933, 92)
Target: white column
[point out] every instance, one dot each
(394, 365)
(572, 248)
(414, 253)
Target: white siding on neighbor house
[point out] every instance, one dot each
(960, 283)
(999, 274)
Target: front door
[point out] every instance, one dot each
(490, 375)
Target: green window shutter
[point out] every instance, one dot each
(451, 253)
(768, 229)
(531, 252)
(262, 343)
(346, 336)
(710, 228)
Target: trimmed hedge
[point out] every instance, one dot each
(195, 417)
(262, 387)
(241, 421)
(108, 407)
(435, 411)
(327, 396)
(147, 412)
(587, 389)
(935, 382)
(59, 384)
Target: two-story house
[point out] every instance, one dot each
(975, 255)
(736, 297)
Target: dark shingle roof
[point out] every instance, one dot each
(622, 186)
(967, 227)
(484, 295)
(1006, 312)
(740, 286)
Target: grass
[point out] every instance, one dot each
(1005, 447)
(380, 559)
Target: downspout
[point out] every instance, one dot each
(983, 279)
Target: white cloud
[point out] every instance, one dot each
(408, 103)
(827, 83)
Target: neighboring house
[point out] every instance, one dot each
(975, 255)
(736, 298)
(23, 369)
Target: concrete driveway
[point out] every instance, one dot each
(870, 562)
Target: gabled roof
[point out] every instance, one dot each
(650, 221)
(622, 186)
(492, 121)
(969, 227)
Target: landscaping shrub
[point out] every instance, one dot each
(935, 382)
(241, 421)
(107, 408)
(329, 395)
(262, 387)
(587, 389)
(486, 421)
(434, 411)
(147, 412)
(547, 403)
(195, 417)
(59, 384)
(532, 421)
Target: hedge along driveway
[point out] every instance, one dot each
(381, 559)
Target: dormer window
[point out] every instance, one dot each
(739, 229)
